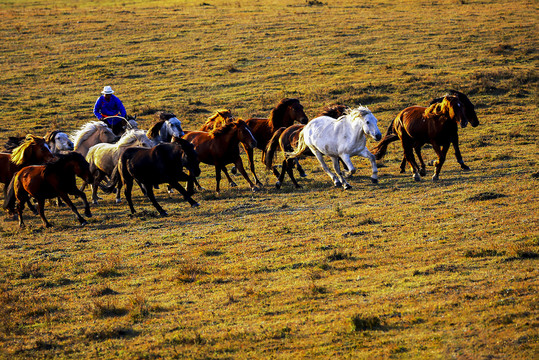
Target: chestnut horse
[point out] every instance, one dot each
(416, 126)
(32, 151)
(285, 113)
(471, 117)
(220, 118)
(54, 179)
(163, 163)
(220, 147)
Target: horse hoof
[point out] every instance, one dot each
(259, 184)
(118, 201)
(87, 214)
(163, 214)
(195, 205)
(417, 177)
(374, 181)
(278, 185)
(233, 184)
(338, 184)
(423, 172)
(465, 168)
(84, 223)
(402, 171)
(435, 178)
(255, 189)
(347, 186)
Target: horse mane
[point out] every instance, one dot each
(440, 108)
(360, 111)
(335, 111)
(50, 136)
(277, 113)
(154, 129)
(164, 115)
(24, 151)
(218, 131)
(86, 131)
(129, 137)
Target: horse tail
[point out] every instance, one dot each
(115, 178)
(301, 147)
(272, 146)
(380, 150)
(9, 201)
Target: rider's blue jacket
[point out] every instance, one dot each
(104, 108)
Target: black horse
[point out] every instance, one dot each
(162, 164)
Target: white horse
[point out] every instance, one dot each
(103, 157)
(340, 138)
(58, 141)
(167, 127)
(91, 133)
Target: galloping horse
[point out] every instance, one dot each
(220, 147)
(163, 163)
(54, 179)
(167, 127)
(104, 157)
(287, 139)
(285, 113)
(57, 141)
(33, 150)
(471, 117)
(340, 138)
(91, 133)
(220, 118)
(416, 126)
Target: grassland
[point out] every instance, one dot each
(394, 270)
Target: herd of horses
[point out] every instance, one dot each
(47, 167)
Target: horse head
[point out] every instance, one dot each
(58, 141)
(189, 157)
(131, 122)
(469, 108)
(33, 149)
(369, 121)
(142, 139)
(172, 127)
(106, 135)
(286, 112)
(245, 136)
(454, 108)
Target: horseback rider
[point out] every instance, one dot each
(109, 108)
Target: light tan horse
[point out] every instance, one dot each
(104, 157)
(91, 133)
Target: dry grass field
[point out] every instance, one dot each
(395, 270)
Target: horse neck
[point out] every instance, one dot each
(164, 135)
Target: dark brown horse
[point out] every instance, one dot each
(286, 138)
(54, 179)
(284, 114)
(161, 164)
(416, 126)
(32, 151)
(220, 147)
(471, 117)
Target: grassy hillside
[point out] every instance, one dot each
(394, 270)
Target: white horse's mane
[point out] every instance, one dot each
(130, 136)
(359, 112)
(81, 135)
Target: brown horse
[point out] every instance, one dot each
(220, 118)
(32, 151)
(285, 113)
(286, 138)
(471, 117)
(220, 147)
(54, 179)
(416, 126)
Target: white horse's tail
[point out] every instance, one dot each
(300, 149)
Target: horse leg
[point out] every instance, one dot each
(241, 169)
(230, 181)
(72, 206)
(151, 196)
(458, 155)
(217, 178)
(350, 168)
(337, 167)
(423, 170)
(250, 156)
(22, 199)
(127, 193)
(97, 179)
(185, 193)
(119, 192)
(409, 154)
(403, 164)
(442, 153)
(367, 154)
(301, 172)
(82, 195)
(320, 158)
(41, 211)
(290, 171)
